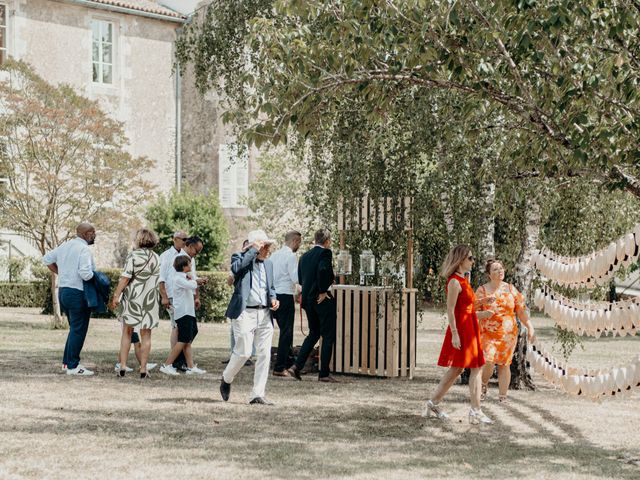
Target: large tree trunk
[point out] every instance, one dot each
(56, 322)
(520, 377)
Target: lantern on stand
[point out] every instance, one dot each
(367, 265)
(344, 263)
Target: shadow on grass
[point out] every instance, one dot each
(366, 427)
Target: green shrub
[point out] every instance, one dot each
(197, 214)
(26, 295)
(214, 296)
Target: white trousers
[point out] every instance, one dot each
(252, 330)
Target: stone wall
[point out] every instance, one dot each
(55, 38)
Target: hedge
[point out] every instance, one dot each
(214, 296)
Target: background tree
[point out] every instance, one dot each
(65, 161)
(279, 197)
(487, 112)
(197, 214)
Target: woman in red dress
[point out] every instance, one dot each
(461, 347)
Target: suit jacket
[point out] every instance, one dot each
(96, 292)
(242, 264)
(315, 273)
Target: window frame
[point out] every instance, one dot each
(100, 21)
(4, 49)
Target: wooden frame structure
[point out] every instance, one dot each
(376, 326)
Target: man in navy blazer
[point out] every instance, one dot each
(253, 299)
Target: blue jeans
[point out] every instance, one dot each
(74, 306)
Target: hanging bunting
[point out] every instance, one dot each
(594, 384)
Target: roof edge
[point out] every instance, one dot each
(126, 10)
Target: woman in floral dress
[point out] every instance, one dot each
(138, 286)
(499, 333)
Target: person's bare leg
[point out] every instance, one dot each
(475, 378)
(448, 379)
(504, 378)
(188, 355)
(136, 350)
(125, 346)
(175, 351)
(487, 371)
(173, 338)
(145, 348)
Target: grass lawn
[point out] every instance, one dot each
(56, 426)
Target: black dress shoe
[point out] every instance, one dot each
(248, 363)
(225, 390)
(294, 372)
(224, 362)
(260, 401)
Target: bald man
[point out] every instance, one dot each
(73, 263)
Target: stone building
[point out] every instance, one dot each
(209, 160)
(119, 52)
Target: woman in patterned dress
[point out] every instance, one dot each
(461, 347)
(499, 333)
(138, 286)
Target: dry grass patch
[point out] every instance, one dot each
(55, 426)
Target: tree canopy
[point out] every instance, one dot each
(493, 115)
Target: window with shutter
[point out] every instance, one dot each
(233, 178)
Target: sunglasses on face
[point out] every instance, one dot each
(184, 239)
(471, 258)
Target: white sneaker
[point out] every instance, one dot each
(79, 370)
(168, 369)
(195, 371)
(126, 369)
(151, 366)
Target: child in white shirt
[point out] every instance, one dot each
(184, 289)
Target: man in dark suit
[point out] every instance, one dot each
(253, 299)
(315, 273)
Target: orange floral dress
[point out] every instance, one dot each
(470, 353)
(499, 333)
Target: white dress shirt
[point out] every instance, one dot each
(183, 295)
(166, 268)
(258, 293)
(285, 271)
(171, 272)
(75, 263)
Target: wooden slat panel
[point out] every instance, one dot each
(355, 332)
(346, 353)
(364, 214)
(412, 332)
(363, 365)
(341, 294)
(392, 314)
(372, 214)
(407, 213)
(382, 333)
(373, 311)
(404, 338)
(380, 213)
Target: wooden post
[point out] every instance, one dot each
(342, 246)
(410, 259)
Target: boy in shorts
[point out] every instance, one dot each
(184, 289)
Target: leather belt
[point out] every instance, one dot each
(257, 307)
